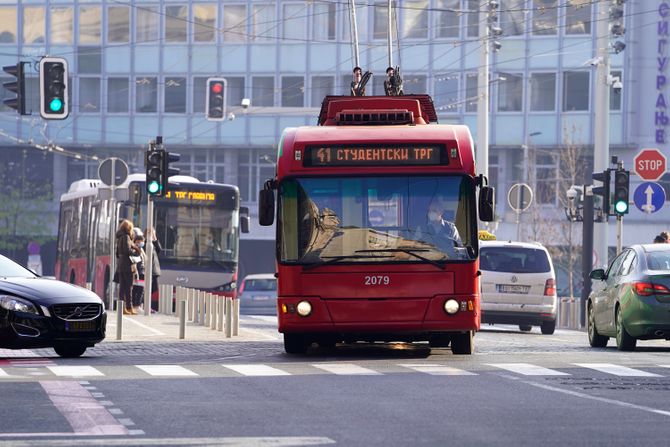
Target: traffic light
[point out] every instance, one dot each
(621, 187)
(604, 190)
(154, 164)
(54, 103)
(18, 86)
(167, 171)
(216, 99)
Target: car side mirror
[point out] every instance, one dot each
(266, 207)
(598, 274)
(244, 219)
(486, 203)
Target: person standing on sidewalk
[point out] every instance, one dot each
(125, 268)
(139, 281)
(155, 266)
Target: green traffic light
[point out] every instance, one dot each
(621, 207)
(153, 187)
(55, 105)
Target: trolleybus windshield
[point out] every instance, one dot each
(377, 219)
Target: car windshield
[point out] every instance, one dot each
(10, 269)
(260, 285)
(658, 260)
(514, 260)
(377, 219)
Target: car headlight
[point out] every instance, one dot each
(17, 304)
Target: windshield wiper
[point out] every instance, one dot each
(334, 259)
(409, 251)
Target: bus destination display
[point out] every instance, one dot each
(392, 155)
(203, 197)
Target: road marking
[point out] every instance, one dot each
(75, 371)
(166, 370)
(617, 370)
(257, 370)
(526, 369)
(14, 353)
(132, 320)
(279, 441)
(345, 369)
(438, 370)
(82, 411)
(3, 373)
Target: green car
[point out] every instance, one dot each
(631, 300)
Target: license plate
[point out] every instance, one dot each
(512, 288)
(80, 326)
(261, 298)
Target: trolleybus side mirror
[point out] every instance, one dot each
(244, 219)
(486, 203)
(266, 207)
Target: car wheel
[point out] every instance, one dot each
(548, 327)
(463, 343)
(624, 341)
(439, 341)
(595, 339)
(295, 343)
(525, 327)
(71, 350)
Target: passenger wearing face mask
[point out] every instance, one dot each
(439, 229)
(138, 284)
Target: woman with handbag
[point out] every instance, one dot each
(125, 267)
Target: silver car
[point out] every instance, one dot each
(258, 294)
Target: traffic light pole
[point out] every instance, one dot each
(149, 244)
(587, 252)
(619, 233)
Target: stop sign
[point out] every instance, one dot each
(650, 164)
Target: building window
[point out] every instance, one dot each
(204, 22)
(321, 87)
(89, 95)
(90, 25)
(234, 23)
(33, 25)
(175, 95)
(512, 17)
(236, 93)
(578, 16)
(575, 91)
(146, 24)
(545, 17)
(89, 60)
(415, 19)
(381, 22)
(176, 21)
(254, 167)
(324, 23)
(448, 18)
(293, 25)
(510, 92)
(361, 23)
(292, 91)
(542, 92)
(446, 93)
(146, 95)
(546, 178)
(118, 24)
(117, 95)
(471, 92)
(473, 18)
(8, 24)
(615, 95)
(263, 23)
(263, 91)
(199, 95)
(61, 25)
(414, 84)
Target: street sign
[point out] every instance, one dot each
(649, 197)
(120, 194)
(650, 164)
(519, 197)
(115, 165)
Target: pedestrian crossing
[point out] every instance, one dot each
(334, 368)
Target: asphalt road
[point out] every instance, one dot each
(518, 389)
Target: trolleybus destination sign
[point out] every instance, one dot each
(345, 155)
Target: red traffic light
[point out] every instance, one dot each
(217, 87)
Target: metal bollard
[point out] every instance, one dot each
(229, 317)
(236, 317)
(162, 297)
(89, 286)
(119, 318)
(189, 304)
(212, 322)
(182, 318)
(201, 302)
(219, 304)
(208, 309)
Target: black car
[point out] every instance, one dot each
(40, 313)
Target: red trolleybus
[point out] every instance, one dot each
(198, 225)
(377, 226)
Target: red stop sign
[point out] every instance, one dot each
(650, 164)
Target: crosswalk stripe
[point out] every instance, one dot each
(526, 369)
(257, 370)
(166, 370)
(345, 369)
(3, 373)
(617, 370)
(74, 371)
(439, 370)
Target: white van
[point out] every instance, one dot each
(518, 285)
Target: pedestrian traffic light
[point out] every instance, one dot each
(216, 99)
(54, 103)
(167, 171)
(154, 164)
(17, 86)
(621, 188)
(604, 190)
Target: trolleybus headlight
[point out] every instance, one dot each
(304, 308)
(451, 306)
